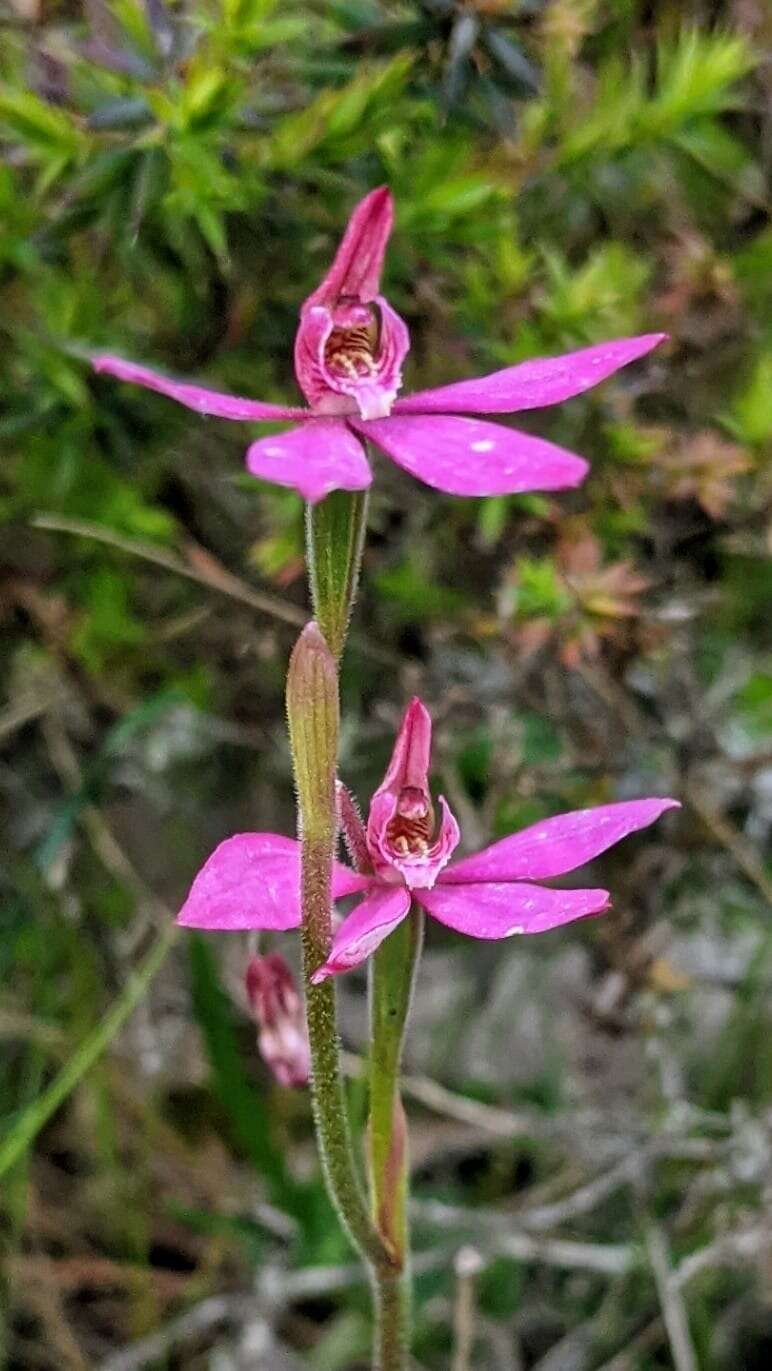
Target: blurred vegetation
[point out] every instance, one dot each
(173, 180)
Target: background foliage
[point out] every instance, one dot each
(592, 1108)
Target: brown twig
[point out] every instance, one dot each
(24, 712)
(45, 1298)
(644, 1341)
(673, 1311)
(743, 1245)
(725, 833)
(496, 1234)
(722, 829)
(467, 1266)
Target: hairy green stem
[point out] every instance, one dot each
(328, 1093)
(392, 1321)
(392, 976)
(335, 532)
(335, 536)
(392, 972)
(312, 711)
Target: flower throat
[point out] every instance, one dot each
(351, 347)
(410, 831)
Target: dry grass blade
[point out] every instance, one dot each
(202, 568)
(468, 1265)
(204, 571)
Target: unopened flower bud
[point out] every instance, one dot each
(278, 1010)
(312, 710)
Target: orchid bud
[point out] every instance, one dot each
(312, 710)
(278, 1011)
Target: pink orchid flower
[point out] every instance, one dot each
(253, 879)
(349, 351)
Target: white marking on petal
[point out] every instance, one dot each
(272, 451)
(516, 928)
(483, 445)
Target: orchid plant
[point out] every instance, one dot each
(349, 352)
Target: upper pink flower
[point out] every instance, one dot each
(349, 350)
(253, 879)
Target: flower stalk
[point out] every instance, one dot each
(335, 535)
(312, 711)
(335, 531)
(392, 977)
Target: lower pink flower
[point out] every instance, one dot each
(253, 880)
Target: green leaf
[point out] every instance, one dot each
(696, 76)
(339, 122)
(22, 1133)
(49, 134)
(711, 146)
(411, 594)
(752, 266)
(537, 589)
(750, 416)
(109, 625)
(598, 299)
(755, 703)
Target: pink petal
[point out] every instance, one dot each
(365, 929)
(472, 457)
(321, 456)
(489, 910)
(554, 846)
(412, 751)
(253, 881)
(532, 384)
(358, 263)
(200, 399)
